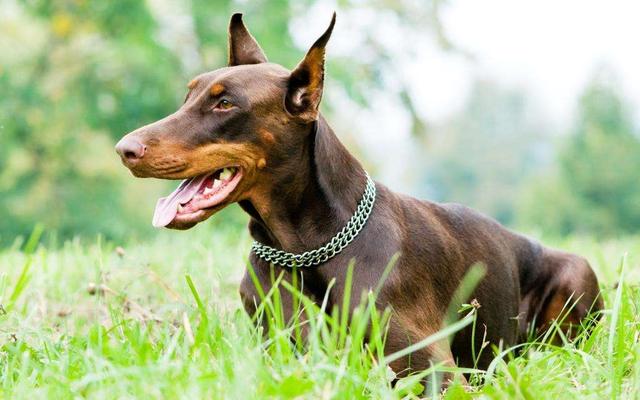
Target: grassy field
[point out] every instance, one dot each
(162, 319)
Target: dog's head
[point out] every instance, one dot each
(236, 124)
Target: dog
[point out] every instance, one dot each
(251, 133)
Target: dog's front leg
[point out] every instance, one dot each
(436, 354)
(287, 303)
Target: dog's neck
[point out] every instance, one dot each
(306, 206)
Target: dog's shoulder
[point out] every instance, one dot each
(459, 214)
(463, 222)
(452, 215)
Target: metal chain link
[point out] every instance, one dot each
(333, 247)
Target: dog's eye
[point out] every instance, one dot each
(224, 104)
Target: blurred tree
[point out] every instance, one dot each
(486, 150)
(594, 186)
(81, 79)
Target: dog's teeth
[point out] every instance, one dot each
(216, 184)
(208, 190)
(180, 208)
(225, 174)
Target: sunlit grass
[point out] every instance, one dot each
(163, 319)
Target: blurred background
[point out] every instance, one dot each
(525, 110)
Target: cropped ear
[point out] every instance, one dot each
(304, 90)
(243, 48)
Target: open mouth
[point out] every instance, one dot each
(195, 196)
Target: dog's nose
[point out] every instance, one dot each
(130, 149)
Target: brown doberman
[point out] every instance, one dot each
(251, 133)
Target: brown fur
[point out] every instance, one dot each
(300, 185)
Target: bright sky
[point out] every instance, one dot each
(550, 48)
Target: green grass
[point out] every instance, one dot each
(162, 319)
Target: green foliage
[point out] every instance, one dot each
(81, 82)
(593, 187)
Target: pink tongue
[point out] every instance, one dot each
(167, 207)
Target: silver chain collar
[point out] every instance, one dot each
(333, 247)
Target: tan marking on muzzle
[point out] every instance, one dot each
(210, 157)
